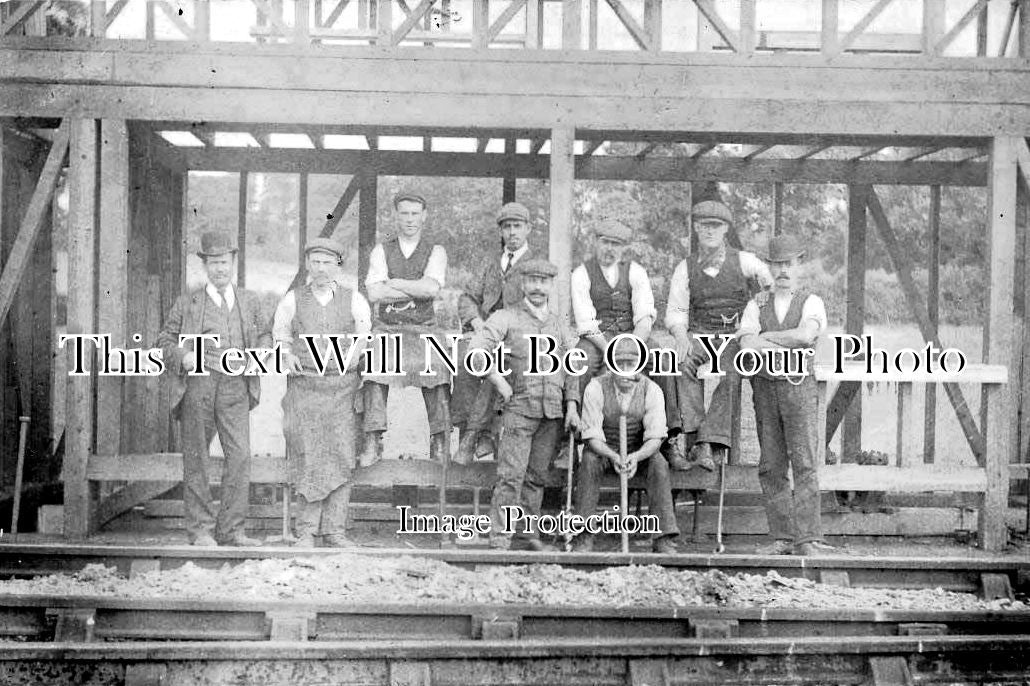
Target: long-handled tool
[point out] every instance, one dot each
(23, 434)
(719, 547)
(568, 487)
(623, 484)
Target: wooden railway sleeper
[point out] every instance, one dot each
(834, 577)
(410, 673)
(890, 671)
(496, 628)
(715, 628)
(73, 624)
(145, 674)
(649, 672)
(289, 626)
(996, 587)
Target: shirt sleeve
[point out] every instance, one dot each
(361, 312)
(593, 412)
(654, 412)
(377, 271)
(436, 267)
(643, 296)
(582, 306)
(492, 333)
(814, 309)
(749, 321)
(282, 321)
(677, 312)
(754, 268)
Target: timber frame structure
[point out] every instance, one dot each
(745, 106)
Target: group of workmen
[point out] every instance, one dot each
(627, 422)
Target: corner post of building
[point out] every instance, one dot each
(82, 187)
(933, 311)
(854, 318)
(562, 181)
(368, 211)
(999, 343)
(112, 272)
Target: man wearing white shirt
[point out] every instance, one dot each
(405, 275)
(707, 294)
(319, 408)
(785, 407)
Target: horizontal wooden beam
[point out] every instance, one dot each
(399, 163)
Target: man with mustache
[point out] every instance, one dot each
(612, 295)
(605, 399)
(215, 402)
(405, 275)
(707, 294)
(785, 407)
(498, 284)
(531, 421)
(319, 413)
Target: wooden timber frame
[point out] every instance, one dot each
(737, 105)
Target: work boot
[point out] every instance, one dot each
(204, 540)
(338, 541)
(466, 448)
(242, 540)
(304, 541)
(780, 546)
(673, 452)
(664, 545)
(701, 456)
(815, 549)
(440, 446)
(373, 451)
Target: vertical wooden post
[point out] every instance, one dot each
(559, 246)
(97, 18)
(906, 430)
(933, 25)
(748, 28)
(510, 182)
(981, 32)
(368, 212)
(851, 432)
(534, 36)
(1000, 425)
(112, 272)
(777, 208)
(480, 23)
(933, 310)
(653, 23)
(78, 432)
(571, 22)
(830, 28)
(241, 231)
(384, 22)
(302, 216)
(592, 19)
(1024, 29)
(302, 22)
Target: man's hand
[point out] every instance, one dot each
(572, 420)
(762, 297)
(477, 324)
(503, 388)
(293, 363)
(189, 362)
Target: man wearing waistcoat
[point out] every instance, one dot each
(319, 408)
(612, 296)
(215, 402)
(707, 294)
(498, 284)
(605, 399)
(531, 421)
(785, 407)
(405, 275)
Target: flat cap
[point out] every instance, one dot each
(784, 249)
(627, 349)
(711, 209)
(513, 210)
(613, 231)
(538, 267)
(329, 245)
(410, 195)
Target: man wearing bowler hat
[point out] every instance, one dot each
(533, 406)
(405, 275)
(319, 409)
(498, 284)
(707, 294)
(785, 406)
(215, 402)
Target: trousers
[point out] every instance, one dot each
(592, 468)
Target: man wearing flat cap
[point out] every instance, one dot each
(405, 275)
(498, 284)
(612, 295)
(215, 402)
(707, 294)
(631, 395)
(533, 406)
(785, 406)
(319, 408)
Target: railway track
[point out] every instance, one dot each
(880, 661)
(995, 577)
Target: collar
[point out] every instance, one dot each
(540, 313)
(333, 285)
(230, 294)
(517, 255)
(713, 259)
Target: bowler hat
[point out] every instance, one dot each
(329, 245)
(215, 243)
(711, 209)
(538, 267)
(513, 210)
(613, 231)
(784, 249)
(410, 195)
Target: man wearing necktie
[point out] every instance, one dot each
(215, 402)
(498, 284)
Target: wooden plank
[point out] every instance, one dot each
(271, 13)
(903, 268)
(709, 12)
(906, 450)
(933, 312)
(863, 23)
(821, 407)
(987, 374)
(129, 496)
(636, 31)
(593, 12)
(571, 23)
(534, 24)
(748, 27)
(1001, 415)
(653, 23)
(97, 18)
(78, 432)
(410, 21)
(507, 15)
(955, 30)
(302, 216)
(302, 21)
(1024, 28)
(241, 230)
(981, 32)
(384, 22)
(777, 208)
(829, 38)
(201, 21)
(510, 182)
(173, 16)
(854, 318)
(39, 205)
(22, 13)
(333, 219)
(562, 182)
(933, 25)
(112, 272)
(368, 212)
